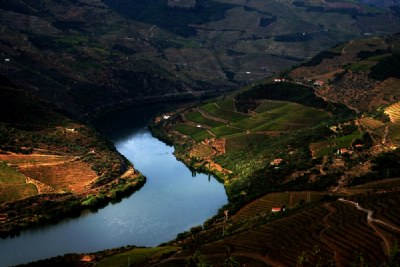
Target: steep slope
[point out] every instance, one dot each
(52, 166)
(83, 57)
(253, 39)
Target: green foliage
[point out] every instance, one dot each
(226, 104)
(196, 260)
(16, 191)
(228, 115)
(270, 105)
(290, 92)
(225, 131)
(387, 67)
(360, 66)
(176, 20)
(385, 165)
(198, 118)
(188, 130)
(10, 176)
(200, 136)
(316, 60)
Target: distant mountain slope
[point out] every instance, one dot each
(253, 39)
(89, 56)
(362, 74)
(83, 57)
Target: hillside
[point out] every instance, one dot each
(288, 134)
(311, 181)
(254, 39)
(85, 58)
(88, 57)
(318, 142)
(51, 166)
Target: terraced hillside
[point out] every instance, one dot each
(47, 158)
(221, 120)
(337, 233)
(393, 111)
(361, 74)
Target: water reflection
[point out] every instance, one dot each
(171, 201)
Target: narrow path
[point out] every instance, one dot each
(209, 116)
(331, 210)
(371, 220)
(385, 135)
(212, 134)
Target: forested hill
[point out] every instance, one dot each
(83, 57)
(90, 56)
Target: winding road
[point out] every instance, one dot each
(371, 220)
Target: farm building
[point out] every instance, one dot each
(276, 162)
(319, 83)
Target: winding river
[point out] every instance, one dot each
(172, 201)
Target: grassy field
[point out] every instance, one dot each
(10, 176)
(196, 133)
(226, 104)
(270, 116)
(225, 114)
(330, 146)
(268, 105)
(13, 184)
(198, 118)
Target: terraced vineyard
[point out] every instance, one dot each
(393, 111)
(327, 147)
(336, 233)
(53, 173)
(371, 123)
(14, 185)
(201, 150)
(270, 116)
(263, 205)
(387, 91)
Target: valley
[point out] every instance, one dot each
(293, 106)
(310, 181)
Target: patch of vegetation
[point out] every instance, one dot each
(225, 130)
(387, 67)
(10, 176)
(188, 130)
(228, 115)
(290, 92)
(176, 20)
(360, 66)
(265, 22)
(386, 165)
(198, 118)
(315, 61)
(295, 37)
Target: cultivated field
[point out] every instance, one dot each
(264, 204)
(53, 173)
(223, 121)
(358, 230)
(330, 146)
(393, 111)
(14, 185)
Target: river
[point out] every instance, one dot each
(172, 201)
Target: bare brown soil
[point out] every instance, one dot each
(62, 173)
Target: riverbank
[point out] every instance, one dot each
(58, 171)
(161, 127)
